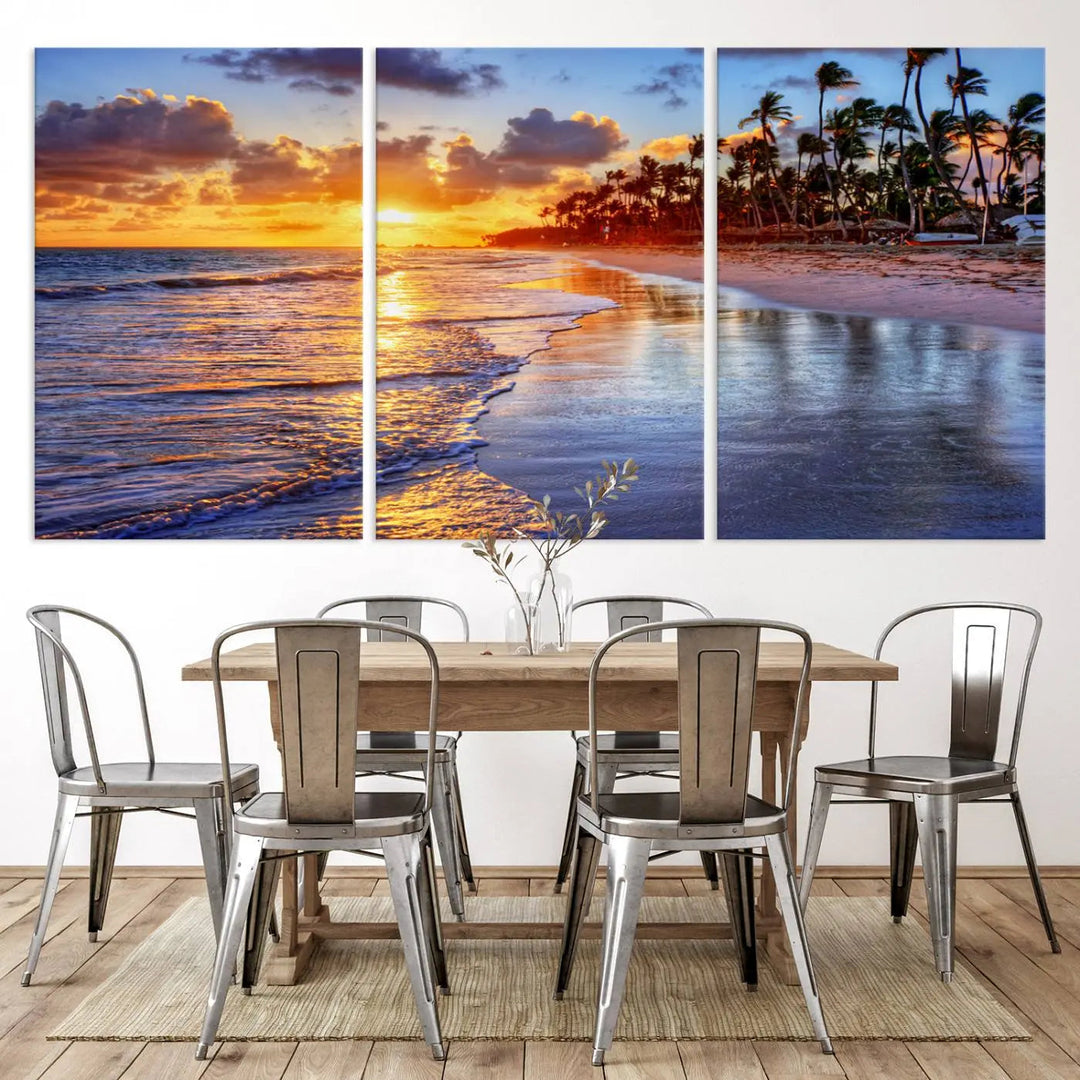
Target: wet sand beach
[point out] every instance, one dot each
(627, 382)
(1000, 285)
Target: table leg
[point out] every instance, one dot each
(289, 909)
(313, 905)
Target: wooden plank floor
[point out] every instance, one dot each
(997, 927)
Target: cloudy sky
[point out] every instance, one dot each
(743, 75)
(180, 147)
(473, 141)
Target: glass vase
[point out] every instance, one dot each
(551, 595)
(518, 626)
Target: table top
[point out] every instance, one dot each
(629, 661)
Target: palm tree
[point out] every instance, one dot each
(968, 82)
(616, 177)
(807, 143)
(848, 126)
(905, 173)
(893, 118)
(984, 125)
(830, 76)
(1028, 110)
(971, 81)
(919, 59)
(696, 150)
(769, 111)
(1037, 148)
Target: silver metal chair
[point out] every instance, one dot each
(403, 754)
(923, 793)
(318, 664)
(622, 754)
(711, 811)
(109, 790)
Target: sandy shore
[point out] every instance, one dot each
(999, 286)
(625, 382)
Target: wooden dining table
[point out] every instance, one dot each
(485, 687)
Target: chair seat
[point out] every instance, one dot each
(408, 755)
(919, 775)
(375, 813)
(163, 779)
(636, 748)
(655, 815)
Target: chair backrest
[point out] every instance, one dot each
(391, 611)
(56, 662)
(717, 676)
(980, 643)
(318, 674)
(623, 612)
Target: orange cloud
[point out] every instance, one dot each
(143, 164)
(668, 147)
(738, 137)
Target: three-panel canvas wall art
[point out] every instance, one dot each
(540, 298)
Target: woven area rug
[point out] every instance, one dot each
(877, 981)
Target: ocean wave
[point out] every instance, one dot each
(324, 475)
(293, 275)
(480, 322)
(403, 466)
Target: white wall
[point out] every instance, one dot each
(172, 597)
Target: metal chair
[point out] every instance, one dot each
(623, 754)
(318, 665)
(110, 790)
(711, 811)
(924, 793)
(403, 754)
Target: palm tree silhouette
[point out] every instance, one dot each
(970, 81)
(919, 58)
(831, 75)
(769, 111)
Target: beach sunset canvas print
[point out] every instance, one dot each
(198, 293)
(530, 321)
(882, 293)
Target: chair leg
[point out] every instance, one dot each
(259, 912)
(819, 813)
(581, 887)
(244, 862)
(464, 858)
(628, 862)
(443, 822)
(66, 805)
(1033, 872)
(712, 872)
(903, 843)
(105, 825)
(428, 891)
(402, 854)
(936, 817)
(787, 897)
(214, 845)
(738, 869)
(606, 775)
(577, 788)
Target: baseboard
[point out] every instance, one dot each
(669, 871)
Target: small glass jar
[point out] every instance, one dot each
(519, 625)
(552, 596)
